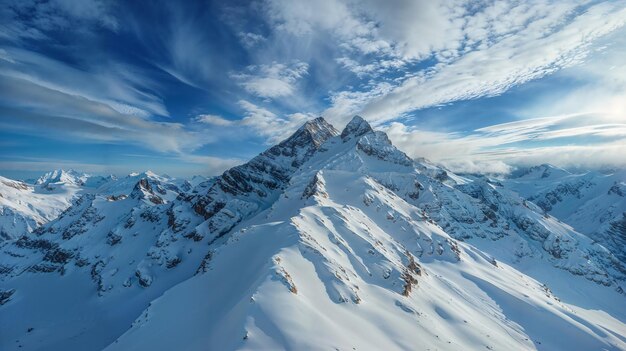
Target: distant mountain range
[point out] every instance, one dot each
(329, 240)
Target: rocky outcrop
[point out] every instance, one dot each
(246, 189)
(356, 128)
(144, 190)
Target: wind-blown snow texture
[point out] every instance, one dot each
(325, 241)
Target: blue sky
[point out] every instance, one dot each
(196, 87)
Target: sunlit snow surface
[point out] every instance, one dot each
(359, 248)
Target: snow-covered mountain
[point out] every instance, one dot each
(327, 240)
(71, 177)
(24, 207)
(593, 203)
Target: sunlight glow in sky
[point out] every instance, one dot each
(196, 87)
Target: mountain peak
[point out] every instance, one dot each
(356, 127)
(318, 130)
(319, 121)
(143, 190)
(149, 173)
(62, 176)
(273, 168)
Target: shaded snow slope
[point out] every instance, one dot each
(593, 203)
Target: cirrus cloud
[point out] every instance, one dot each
(498, 148)
(272, 80)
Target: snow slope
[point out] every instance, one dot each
(593, 203)
(24, 207)
(71, 177)
(326, 241)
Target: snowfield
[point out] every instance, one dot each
(24, 207)
(326, 241)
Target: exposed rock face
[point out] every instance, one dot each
(355, 128)
(559, 194)
(116, 197)
(5, 296)
(273, 168)
(245, 189)
(593, 203)
(15, 184)
(315, 187)
(378, 145)
(615, 236)
(143, 190)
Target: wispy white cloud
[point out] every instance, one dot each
(542, 47)
(599, 85)
(412, 55)
(122, 88)
(214, 120)
(80, 118)
(337, 58)
(186, 45)
(92, 10)
(272, 80)
(250, 40)
(302, 18)
(374, 68)
(401, 28)
(181, 40)
(345, 104)
(258, 120)
(540, 140)
(268, 124)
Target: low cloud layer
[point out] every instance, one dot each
(499, 148)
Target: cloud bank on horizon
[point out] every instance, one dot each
(196, 87)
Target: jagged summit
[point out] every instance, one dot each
(318, 130)
(356, 128)
(312, 133)
(143, 190)
(148, 174)
(143, 186)
(273, 167)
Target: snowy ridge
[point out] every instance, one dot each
(247, 189)
(24, 207)
(326, 241)
(61, 176)
(593, 203)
